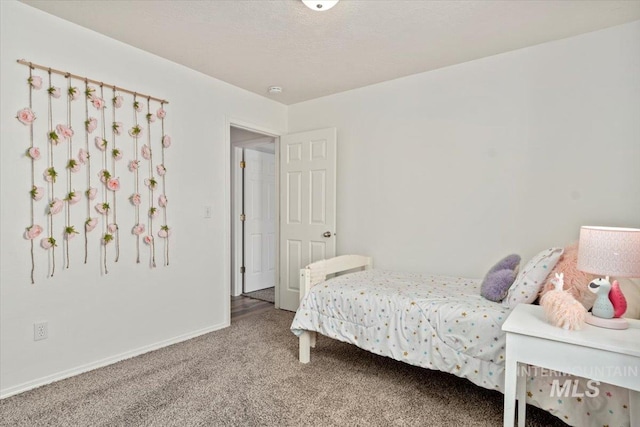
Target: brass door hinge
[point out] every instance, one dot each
(243, 165)
(242, 270)
(243, 217)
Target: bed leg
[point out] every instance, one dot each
(305, 347)
(312, 341)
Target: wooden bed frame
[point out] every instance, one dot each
(317, 272)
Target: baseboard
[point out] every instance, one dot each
(20, 388)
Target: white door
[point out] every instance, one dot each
(260, 221)
(307, 206)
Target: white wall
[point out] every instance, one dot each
(95, 319)
(443, 171)
(449, 170)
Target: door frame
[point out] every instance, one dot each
(237, 244)
(230, 275)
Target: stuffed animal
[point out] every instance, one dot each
(561, 308)
(610, 302)
(500, 277)
(602, 306)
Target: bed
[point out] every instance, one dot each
(433, 322)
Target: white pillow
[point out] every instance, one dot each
(531, 278)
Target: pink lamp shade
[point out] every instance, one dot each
(609, 251)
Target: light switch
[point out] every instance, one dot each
(207, 211)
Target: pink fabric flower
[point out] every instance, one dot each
(113, 184)
(37, 193)
(91, 124)
(151, 183)
(90, 224)
(112, 228)
(135, 132)
(73, 197)
(55, 206)
(54, 138)
(161, 170)
(133, 165)
(73, 165)
(135, 199)
(65, 132)
(146, 152)
(117, 128)
(35, 82)
(153, 212)
(98, 102)
(138, 229)
(104, 176)
(91, 193)
(148, 239)
(101, 143)
(116, 154)
(164, 232)
(32, 232)
(54, 92)
(162, 201)
(166, 141)
(137, 106)
(103, 208)
(90, 91)
(70, 232)
(106, 239)
(26, 116)
(151, 117)
(34, 153)
(83, 156)
(48, 242)
(74, 93)
(50, 175)
(161, 113)
(118, 101)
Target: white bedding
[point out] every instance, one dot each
(441, 323)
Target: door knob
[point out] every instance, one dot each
(327, 234)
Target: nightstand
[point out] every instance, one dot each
(531, 340)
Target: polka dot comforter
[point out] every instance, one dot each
(441, 323)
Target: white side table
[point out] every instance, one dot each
(531, 340)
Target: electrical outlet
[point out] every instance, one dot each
(40, 331)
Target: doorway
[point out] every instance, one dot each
(304, 202)
(254, 220)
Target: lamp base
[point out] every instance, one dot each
(615, 323)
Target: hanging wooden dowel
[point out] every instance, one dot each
(86, 79)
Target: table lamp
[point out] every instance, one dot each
(608, 251)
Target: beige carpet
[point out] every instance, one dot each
(249, 375)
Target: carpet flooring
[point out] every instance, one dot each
(268, 294)
(249, 375)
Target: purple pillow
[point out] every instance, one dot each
(500, 277)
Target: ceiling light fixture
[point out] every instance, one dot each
(274, 90)
(320, 5)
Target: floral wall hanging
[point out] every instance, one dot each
(49, 143)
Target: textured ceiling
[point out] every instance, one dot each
(255, 44)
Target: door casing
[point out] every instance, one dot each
(230, 270)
